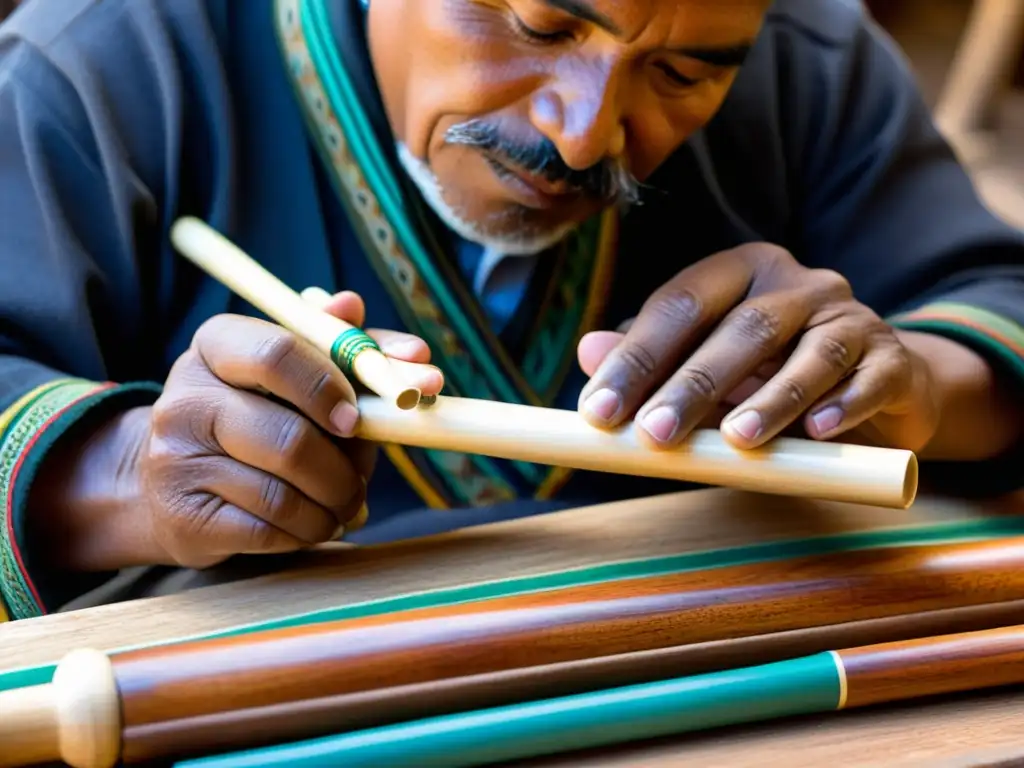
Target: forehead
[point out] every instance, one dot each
(687, 21)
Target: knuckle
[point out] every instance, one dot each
(791, 391)
(320, 383)
(680, 307)
(276, 351)
(832, 283)
(213, 328)
(835, 353)
(261, 536)
(700, 380)
(291, 436)
(639, 359)
(189, 415)
(191, 514)
(274, 498)
(767, 254)
(758, 325)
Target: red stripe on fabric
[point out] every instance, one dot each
(14, 477)
(959, 320)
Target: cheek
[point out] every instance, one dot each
(659, 128)
(459, 70)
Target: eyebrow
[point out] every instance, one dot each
(724, 56)
(716, 56)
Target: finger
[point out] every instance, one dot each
(883, 376)
(269, 499)
(823, 358)
(749, 337)
(668, 326)
(594, 348)
(345, 305)
(410, 355)
(251, 354)
(400, 347)
(284, 443)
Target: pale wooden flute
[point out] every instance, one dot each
(882, 477)
(786, 466)
(351, 349)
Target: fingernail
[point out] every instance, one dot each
(603, 404)
(661, 423)
(360, 519)
(344, 418)
(338, 534)
(747, 425)
(401, 348)
(827, 419)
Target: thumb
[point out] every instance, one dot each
(345, 305)
(595, 347)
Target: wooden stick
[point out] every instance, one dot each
(876, 476)
(351, 349)
(309, 718)
(170, 687)
(824, 682)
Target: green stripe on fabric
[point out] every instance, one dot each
(942, 533)
(975, 327)
(999, 324)
(15, 449)
(803, 686)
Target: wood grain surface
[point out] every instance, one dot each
(421, 646)
(340, 575)
(920, 668)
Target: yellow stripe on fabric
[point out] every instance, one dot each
(414, 477)
(4, 617)
(23, 424)
(18, 406)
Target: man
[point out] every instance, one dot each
(678, 212)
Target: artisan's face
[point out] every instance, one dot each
(521, 118)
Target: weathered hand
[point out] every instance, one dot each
(752, 335)
(246, 451)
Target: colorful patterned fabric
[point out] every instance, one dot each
(28, 430)
(977, 327)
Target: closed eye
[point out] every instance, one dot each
(677, 77)
(524, 30)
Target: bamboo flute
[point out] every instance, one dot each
(882, 477)
(555, 437)
(824, 682)
(124, 698)
(351, 349)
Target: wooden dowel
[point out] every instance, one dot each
(933, 666)
(346, 345)
(807, 685)
(173, 686)
(76, 718)
(831, 471)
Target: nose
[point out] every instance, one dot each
(578, 111)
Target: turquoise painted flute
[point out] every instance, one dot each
(820, 683)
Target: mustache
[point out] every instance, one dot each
(608, 180)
